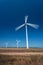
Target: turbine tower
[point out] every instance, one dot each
(17, 42)
(27, 24)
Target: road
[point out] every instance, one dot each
(22, 53)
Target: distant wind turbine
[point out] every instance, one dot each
(17, 42)
(6, 44)
(27, 24)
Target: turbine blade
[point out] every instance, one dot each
(33, 25)
(26, 17)
(20, 27)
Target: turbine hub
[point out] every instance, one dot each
(26, 24)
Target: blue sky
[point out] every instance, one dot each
(12, 13)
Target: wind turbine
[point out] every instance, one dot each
(6, 44)
(27, 24)
(17, 42)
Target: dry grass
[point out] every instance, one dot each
(21, 50)
(21, 60)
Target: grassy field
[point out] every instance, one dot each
(21, 50)
(21, 60)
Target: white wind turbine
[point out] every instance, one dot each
(17, 42)
(27, 24)
(6, 44)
